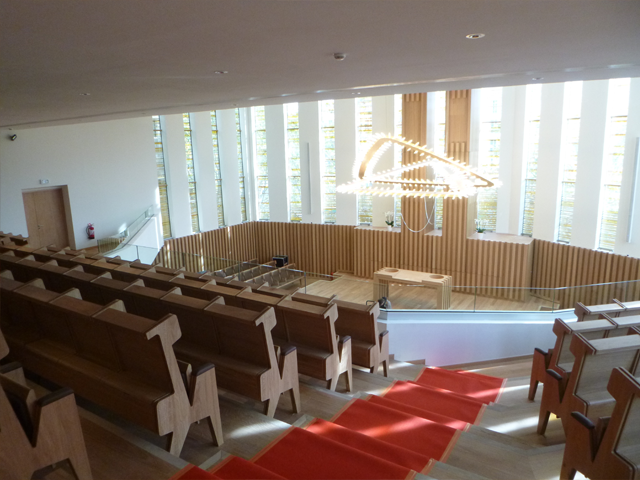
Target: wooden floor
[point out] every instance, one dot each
(503, 446)
(360, 290)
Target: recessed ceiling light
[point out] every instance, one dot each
(537, 78)
(221, 72)
(475, 36)
(85, 94)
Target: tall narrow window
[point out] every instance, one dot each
(293, 162)
(216, 168)
(261, 167)
(364, 135)
(162, 177)
(489, 154)
(569, 157)
(617, 110)
(397, 154)
(439, 145)
(191, 173)
(243, 201)
(532, 136)
(327, 124)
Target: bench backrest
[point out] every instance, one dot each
(562, 359)
(591, 312)
(258, 302)
(358, 321)
(310, 325)
(594, 361)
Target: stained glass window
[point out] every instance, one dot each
(489, 154)
(397, 154)
(328, 165)
(617, 110)
(261, 166)
(293, 162)
(569, 157)
(162, 177)
(439, 145)
(532, 136)
(191, 173)
(364, 132)
(241, 179)
(216, 167)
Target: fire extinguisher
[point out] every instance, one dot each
(91, 233)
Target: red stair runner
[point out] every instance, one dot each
(391, 453)
(445, 403)
(299, 454)
(418, 412)
(482, 387)
(420, 435)
(241, 469)
(191, 472)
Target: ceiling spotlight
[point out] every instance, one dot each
(85, 94)
(475, 36)
(221, 72)
(339, 56)
(537, 78)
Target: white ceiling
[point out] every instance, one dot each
(143, 57)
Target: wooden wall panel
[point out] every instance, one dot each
(558, 265)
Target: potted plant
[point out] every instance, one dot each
(388, 219)
(480, 228)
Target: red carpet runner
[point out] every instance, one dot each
(379, 437)
(299, 454)
(398, 428)
(450, 404)
(482, 387)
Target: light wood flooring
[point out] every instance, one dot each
(503, 446)
(360, 290)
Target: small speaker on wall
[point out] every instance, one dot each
(281, 260)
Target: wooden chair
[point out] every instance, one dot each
(584, 390)
(120, 361)
(38, 432)
(559, 358)
(321, 353)
(610, 447)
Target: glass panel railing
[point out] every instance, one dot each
(405, 296)
(120, 240)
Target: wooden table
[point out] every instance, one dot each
(442, 284)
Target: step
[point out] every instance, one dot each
(443, 471)
(489, 458)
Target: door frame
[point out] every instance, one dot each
(67, 209)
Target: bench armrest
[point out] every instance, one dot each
(52, 397)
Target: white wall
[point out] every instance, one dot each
(175, 160)
(452, 338)
(109, 168)
(345, 138)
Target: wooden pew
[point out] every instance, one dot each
(610, 447)
(273, 291)
(281, 375)
(120, 361)
(38, 432)
(559, 358)
(616, 309)
(585, 389)
(240, 344)
(321, 353)
(360, 322)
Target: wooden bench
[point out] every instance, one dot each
(559, 358)
(120, 361)
(321, 353)
(585, 389)
(281, 375)
(360, 322)
(609, 447)
(616, 309)
(37, 432)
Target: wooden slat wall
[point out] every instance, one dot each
(313, 248)
(560, 265)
